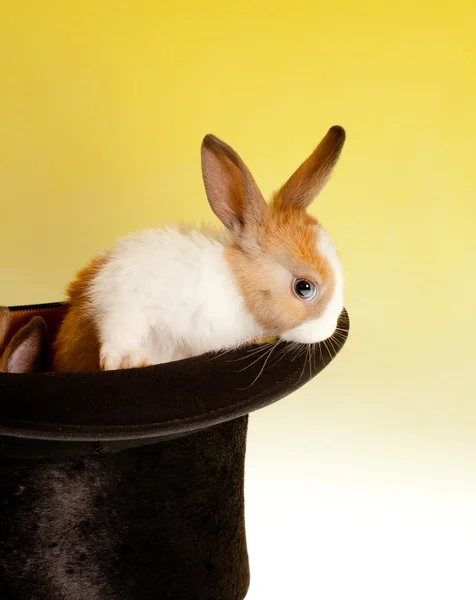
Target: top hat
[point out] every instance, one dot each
(128, 484)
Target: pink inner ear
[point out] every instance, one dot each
(23, 358)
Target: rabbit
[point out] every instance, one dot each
(167, 294)
(27, 350)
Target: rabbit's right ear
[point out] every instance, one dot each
(232, 192)
(4, 324)
(27, 351)
(309, 179)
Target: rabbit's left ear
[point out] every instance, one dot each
(27, 351)
(231, 189)
(309, 179)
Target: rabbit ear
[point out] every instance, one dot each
(232, 192)
(26, 352)
(4, 323)
(309, 179)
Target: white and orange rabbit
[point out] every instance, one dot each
(27, 350)
(166, 294)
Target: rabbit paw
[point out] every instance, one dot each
(111, 360)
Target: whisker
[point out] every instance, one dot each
(255, 351)
(297, 351)
(283, 352)
(331, 343)
(340, 334)
(261, 371)
(304, 365)
(262, 355)
(240, 345)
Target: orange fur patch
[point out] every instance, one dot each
(282, 247)
(263, 340)
(76, 347)
(4, 324)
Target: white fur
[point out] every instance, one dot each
(164, 295)
(317, 330)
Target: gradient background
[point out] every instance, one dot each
(361, 485)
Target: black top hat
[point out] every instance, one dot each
(128, 484)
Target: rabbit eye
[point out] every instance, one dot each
(304, 289)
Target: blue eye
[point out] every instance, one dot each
(304, 289)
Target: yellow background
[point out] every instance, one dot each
(363, 483)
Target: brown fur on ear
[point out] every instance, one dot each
(309, 179)
(76, 347)
(232, 192)
(4, 323)
(27, 350)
